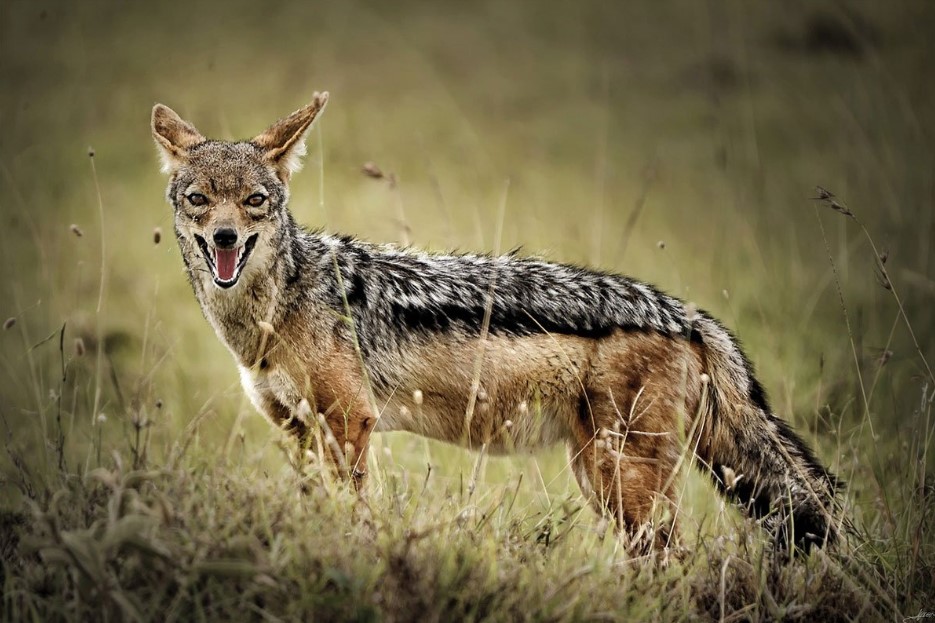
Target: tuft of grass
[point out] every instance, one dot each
(211, 541)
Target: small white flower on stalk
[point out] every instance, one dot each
(302, 411)
(691, 313)
(730, 477)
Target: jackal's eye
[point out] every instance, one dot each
(255, 200)
(197, 199)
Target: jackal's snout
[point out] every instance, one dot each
(229, 258)
(225, 237)
(228, 255)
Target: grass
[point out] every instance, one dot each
(677, 142)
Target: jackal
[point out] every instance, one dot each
(496, 352)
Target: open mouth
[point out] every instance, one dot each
(227, 264)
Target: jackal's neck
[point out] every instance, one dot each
(259, 302)
(237, 314)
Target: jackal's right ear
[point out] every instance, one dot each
(174, 137)
(283, 143)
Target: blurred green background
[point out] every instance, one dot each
(678, 142)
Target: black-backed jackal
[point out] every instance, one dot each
(502, 352)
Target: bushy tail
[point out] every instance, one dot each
(755, 457)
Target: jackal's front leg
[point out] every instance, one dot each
(338, 431)
(344, 419)
(347, 439)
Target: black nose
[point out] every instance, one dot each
(225, 237)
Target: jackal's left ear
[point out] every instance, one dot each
(284, 141)
(174, 137)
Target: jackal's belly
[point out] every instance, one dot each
(522, 427)
(519, 393)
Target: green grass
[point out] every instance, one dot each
(677, 142)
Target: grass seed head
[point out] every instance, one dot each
(731, 478)
(303, 411)
(76, 230)
(885, 356)
(372, 170)
(157, 235)
(829, 199)
(8, 323)
(691, 312)
(79, 347)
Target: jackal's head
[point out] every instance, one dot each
(230, 197)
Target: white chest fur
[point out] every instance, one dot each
(262, 385)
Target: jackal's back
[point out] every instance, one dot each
(394, 293)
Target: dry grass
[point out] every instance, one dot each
(209, 543)
(677, 142)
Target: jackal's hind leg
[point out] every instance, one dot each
(628, 473)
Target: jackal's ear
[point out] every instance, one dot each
(284, 141)
(174, 137)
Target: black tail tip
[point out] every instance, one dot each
(804, 528)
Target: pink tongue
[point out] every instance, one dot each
(226, 262)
